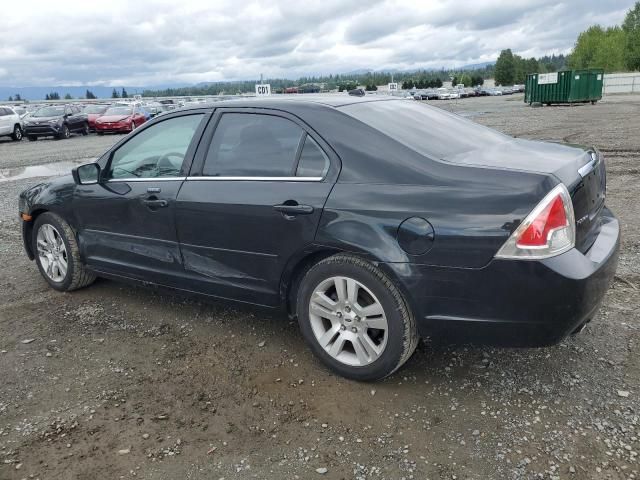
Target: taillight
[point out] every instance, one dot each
(549, 230)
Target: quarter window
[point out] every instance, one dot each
(253, 145)
(157, 151)
(313, 161)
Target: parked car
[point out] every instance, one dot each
(57, 121)
(443, 94)
(119, 119)
(93, 112)
(372, 221)
(494, 92)
(10, 124)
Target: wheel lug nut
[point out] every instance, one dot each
(342, 327)
(347, 309)
(339, 314)
(357, 318)
(354, 329)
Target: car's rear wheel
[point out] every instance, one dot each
(355, 319)
(17, 133)
(133, 126)
(85, 129)
(57, 254)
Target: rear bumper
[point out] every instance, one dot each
(514, 302)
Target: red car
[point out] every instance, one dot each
(120, 118)
(93, 112)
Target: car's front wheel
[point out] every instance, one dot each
(17, 133)
(65, 132)
(57, 254)
(355, 319)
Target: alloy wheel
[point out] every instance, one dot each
(52, 253)
(17, 132)
(348, 321)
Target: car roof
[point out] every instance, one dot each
(284, 101)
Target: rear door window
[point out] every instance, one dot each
(253, 145)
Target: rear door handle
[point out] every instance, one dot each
(294, 209)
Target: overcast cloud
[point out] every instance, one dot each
(148, 42)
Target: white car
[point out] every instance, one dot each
(443, 94)
(10, 123)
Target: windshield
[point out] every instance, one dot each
(49, 112)
(428, 130)
(95, 108)
(119, 111)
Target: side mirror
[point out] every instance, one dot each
(86, 174)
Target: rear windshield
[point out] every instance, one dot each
(428, 130)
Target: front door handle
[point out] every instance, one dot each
(154, 203)
(293, 209)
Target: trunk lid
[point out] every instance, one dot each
(581, 169)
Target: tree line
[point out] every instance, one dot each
(613, 49)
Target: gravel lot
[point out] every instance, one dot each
(120, 382)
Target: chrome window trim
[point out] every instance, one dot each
(260, 179)
(146, 179)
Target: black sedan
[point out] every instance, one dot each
(373, 221)
(57, 121)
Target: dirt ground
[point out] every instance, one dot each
(117, 382)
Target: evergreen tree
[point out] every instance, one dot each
(114, 94)
(10, 98)
(68, 96)
(505, 68)
(89, 95)
(124, 93)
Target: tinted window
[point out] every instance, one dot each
(3, 112)
(313, 161)
(427, 130)
(157, 151)
(253, 145)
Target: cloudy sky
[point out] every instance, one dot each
(145, 42)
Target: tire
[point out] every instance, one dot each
(32, 138)
(133, 126)
(85, 129)
(65, 132)
(75, 275)
(357, 345)
(17, 133)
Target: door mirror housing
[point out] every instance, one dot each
(86, 174)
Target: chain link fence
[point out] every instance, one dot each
(621, 83)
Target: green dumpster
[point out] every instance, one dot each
(568, 86)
